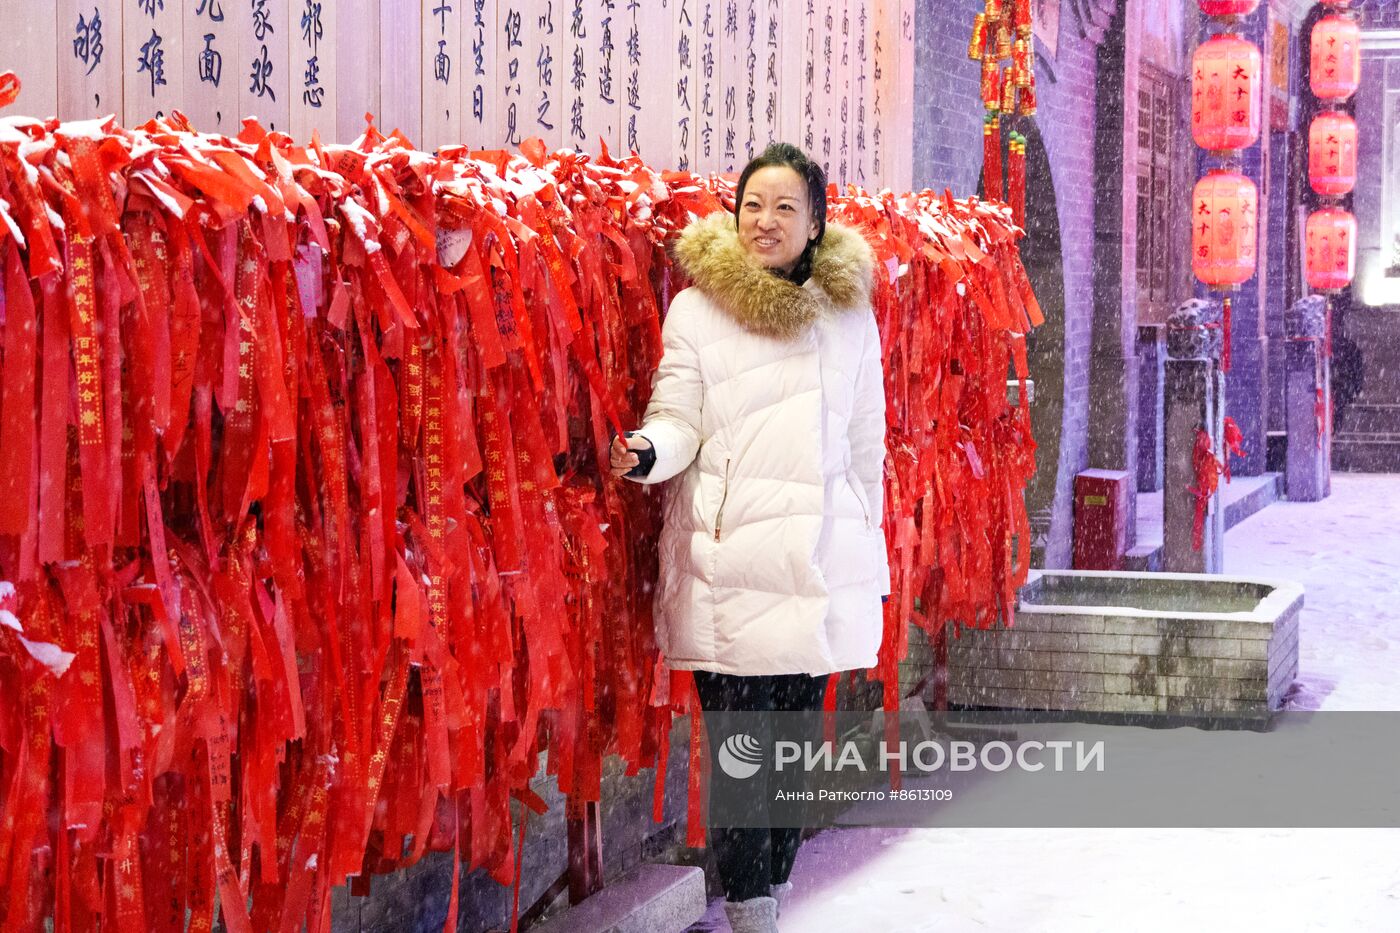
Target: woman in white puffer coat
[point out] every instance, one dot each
(767, 414)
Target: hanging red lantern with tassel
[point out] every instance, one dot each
(1224, 237)
(1335, 60)
(1226, 116)
(1224, 246)
(1226, 109)
(1331, 249)
(1332, 154)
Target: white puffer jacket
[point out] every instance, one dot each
(769, 407)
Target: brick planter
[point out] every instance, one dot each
(1105, 641)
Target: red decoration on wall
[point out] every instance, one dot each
(1335, 70)
(9, 88)
(302, 501)
(1228, 7)
(1234, 445)
(991, 157)
(1331, 249)
(1207, 471)
(1226, 93)
(1016, 178)
(1001, 41)
(1332, 154)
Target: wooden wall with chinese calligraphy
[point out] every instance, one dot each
(692, 84)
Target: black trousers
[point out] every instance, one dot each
(751, 859)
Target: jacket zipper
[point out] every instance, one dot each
(719, 516)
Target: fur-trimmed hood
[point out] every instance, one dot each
(710, 254)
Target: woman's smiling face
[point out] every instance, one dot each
(775, 217)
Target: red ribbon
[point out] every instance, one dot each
(1234, 445)
(9, 88)
(365, 565)
(1207, 470)
(1225, 351)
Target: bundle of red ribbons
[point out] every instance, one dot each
(301, 498)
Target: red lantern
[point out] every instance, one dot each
(1331, 246)
(1224, 229)
(1332, 154)
(1226, 93)
(1336, 57)
(1229, 7)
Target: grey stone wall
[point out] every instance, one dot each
(1113, 664)
(415, 899)
(1376, 112)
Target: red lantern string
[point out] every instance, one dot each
(1002, 33)
(1335, 57)
(991, 85)
(1226, 108)
(311, 548)
(1332, 154)
(1022, 15)
(1330, 253)
(977, 42)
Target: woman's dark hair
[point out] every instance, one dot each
(811, 172)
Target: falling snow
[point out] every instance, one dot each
(1051, 880)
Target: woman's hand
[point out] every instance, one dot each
(621, 459)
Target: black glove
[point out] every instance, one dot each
(646, 459)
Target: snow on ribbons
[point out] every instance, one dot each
(322, 521)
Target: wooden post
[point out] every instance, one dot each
(585, 833)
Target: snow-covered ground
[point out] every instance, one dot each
(1346, 552)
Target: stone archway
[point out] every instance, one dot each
(1048, 498)
(1048, 495)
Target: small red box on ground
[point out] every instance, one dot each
(1100, 519)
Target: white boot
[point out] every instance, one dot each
(755, 915)
(780, 894)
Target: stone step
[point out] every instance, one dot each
(1358, 418)
(1144, 558)
(1249, 495)
(648, 899)
(1241, 498)
(1362, 437)
(1366, 453)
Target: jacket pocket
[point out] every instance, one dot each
(723, 497)
(854, 482)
